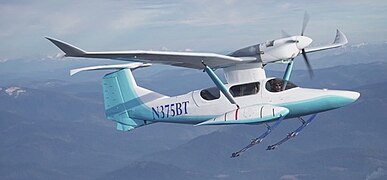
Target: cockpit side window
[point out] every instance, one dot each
(277, 85)
(210, 93)
(245, 89)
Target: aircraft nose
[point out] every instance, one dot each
(351, 95)
(345, 97)
(303, 42)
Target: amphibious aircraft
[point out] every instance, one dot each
(247, 96)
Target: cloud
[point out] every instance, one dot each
(380, 172)
(3, 60)
(338, 169)
(222, 176)
(290, 177)
(202, 24)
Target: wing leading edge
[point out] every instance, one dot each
(182, 59)
(340, 40)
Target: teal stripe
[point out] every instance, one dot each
(315, 105)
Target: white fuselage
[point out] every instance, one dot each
(192, 108)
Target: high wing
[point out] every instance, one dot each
(182, 59)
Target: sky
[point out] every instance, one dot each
(180, 25)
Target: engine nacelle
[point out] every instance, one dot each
(276, 50)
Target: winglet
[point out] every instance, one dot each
(68, 49)
(340, 40)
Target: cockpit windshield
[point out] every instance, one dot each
(269, 43)
(277, 85)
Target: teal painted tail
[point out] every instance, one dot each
(120, 97)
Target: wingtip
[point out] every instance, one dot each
(67, 48)
(49, 38)
(340, 38)
(72, 72)
(53, 40)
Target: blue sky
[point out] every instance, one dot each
(178, 25)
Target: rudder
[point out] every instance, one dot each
(119, 97)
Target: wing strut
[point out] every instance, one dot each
(219, 84)
(287, 74)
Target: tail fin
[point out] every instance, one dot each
(124, 100)
(119, 91)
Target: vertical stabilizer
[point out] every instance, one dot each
(120, 96)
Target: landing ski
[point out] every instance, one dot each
(259, 139)
(294, 133)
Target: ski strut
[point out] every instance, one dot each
(294, 133)
(258, 139)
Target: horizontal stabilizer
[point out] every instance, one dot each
(340, 40)
(68, 49)
(249, 115)
(124, 127)
(110, 67)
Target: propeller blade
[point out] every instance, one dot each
(285, 34)
(310, 70)
(304, 23)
